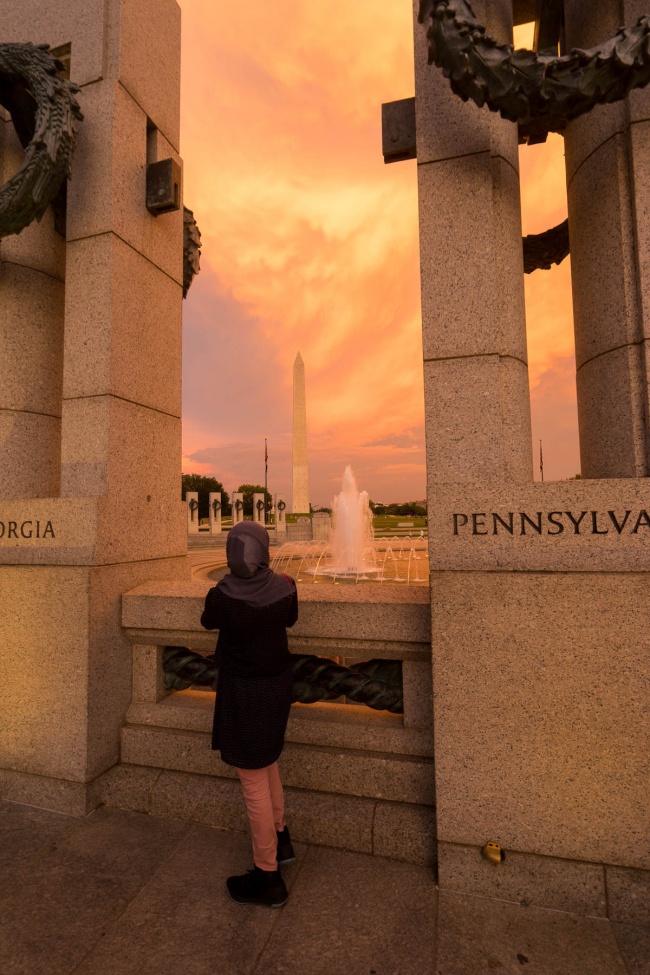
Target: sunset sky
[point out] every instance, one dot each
(310, 243)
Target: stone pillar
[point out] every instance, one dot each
(258, 509)
(321, 525)
(608, 174)
(237, 507)
(280, 513)
(32, 271)
(101, 513)
(214, 512)
(539, 591)
(477, 408)
(192, 502)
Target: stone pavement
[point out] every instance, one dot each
(122, 893)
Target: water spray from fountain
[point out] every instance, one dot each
(352, 533)
(352, 553)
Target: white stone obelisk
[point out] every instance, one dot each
(300, 472)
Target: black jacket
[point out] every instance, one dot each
(255, 682)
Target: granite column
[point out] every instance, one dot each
(608, 174)
(100, 503)
(473, 321)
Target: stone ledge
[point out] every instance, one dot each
(205, 640)
(530, 880)
(45, 792)
(526, 879)
(404, 831)
(395, 830)
(628, 894)
(399, 614)
(334, 725)
(377, 775)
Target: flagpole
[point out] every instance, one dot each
(266, 473)
(541, 460)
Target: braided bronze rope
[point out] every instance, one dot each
(30, 72)
(375, 683)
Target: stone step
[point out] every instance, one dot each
(206, 540)
(345, 771)
(401, 831)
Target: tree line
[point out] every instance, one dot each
(410, 508)
(205, 485)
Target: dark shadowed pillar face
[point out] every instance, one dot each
(608, 171)
(474, 335)
(32, 269)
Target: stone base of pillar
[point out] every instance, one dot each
(540, 644)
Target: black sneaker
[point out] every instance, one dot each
(258, 887)
(285, 849)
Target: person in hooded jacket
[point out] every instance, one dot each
(252, 607)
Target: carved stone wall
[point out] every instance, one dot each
(539, 592)
(91, 394)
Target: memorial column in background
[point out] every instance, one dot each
(300, 462)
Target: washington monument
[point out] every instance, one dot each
(300, 473)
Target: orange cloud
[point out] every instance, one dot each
(311, 237)
(549, 316)
(311, 243)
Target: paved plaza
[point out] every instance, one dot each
(121, 893)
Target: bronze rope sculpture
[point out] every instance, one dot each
(375, 683)
(43, 107)
(524, 86)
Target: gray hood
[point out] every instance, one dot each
(251, 579)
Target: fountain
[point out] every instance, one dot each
(352, 553)
(352, 537)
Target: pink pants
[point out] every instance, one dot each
(264, 800)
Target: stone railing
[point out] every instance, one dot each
(354, 777)
(360, 630)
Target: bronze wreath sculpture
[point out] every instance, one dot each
(523, 85)
(43, 107)
(550, 247)
(527, 87)
(191, 249)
